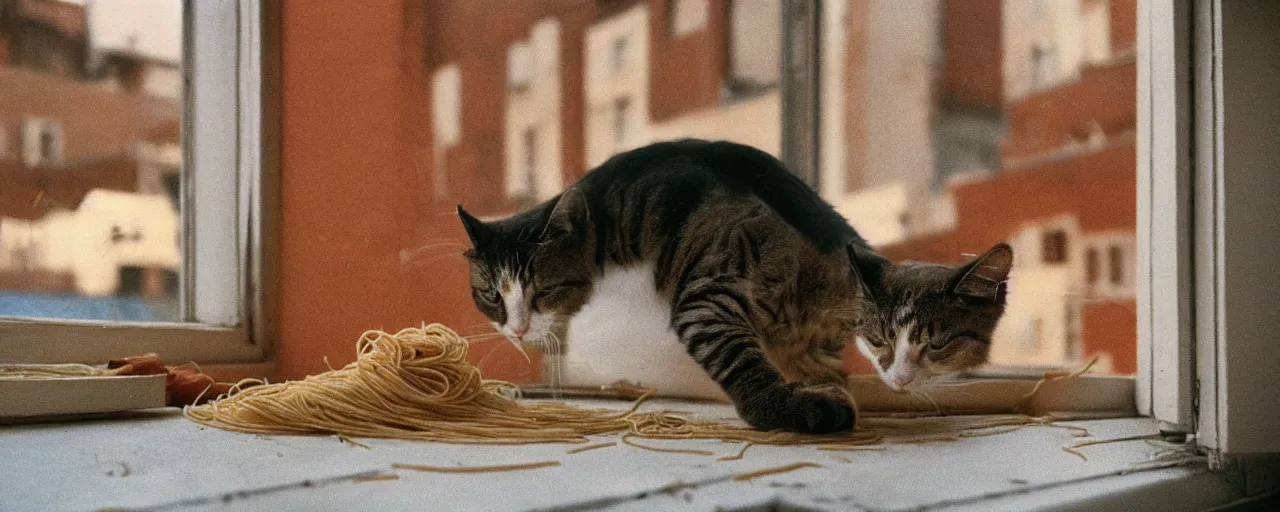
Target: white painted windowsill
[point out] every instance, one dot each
(159, 460)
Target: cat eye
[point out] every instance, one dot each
(876, 342)
(546, 293)
(941, 343)
(489, 296)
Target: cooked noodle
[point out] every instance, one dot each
(417, 384)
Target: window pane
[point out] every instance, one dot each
(956, 125)
(90, 159)
(946, 127)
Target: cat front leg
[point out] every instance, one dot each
(710, 318)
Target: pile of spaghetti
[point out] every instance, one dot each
(417, 384)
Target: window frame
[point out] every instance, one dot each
(1197, 246)
(226, 216)
(1234, 233)
(1179, 226)
(1165, 376)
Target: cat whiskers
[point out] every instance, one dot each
(428, 261)
(492, 335)
(480, 325)
(914, 393)
(489, 353)
(483, 337)
(554, 352)
(431, 252)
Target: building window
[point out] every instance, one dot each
(755, 42)
(42, 142)
(1039, 9)
(1116, 257)
(1033, 337)
(621, 110)
(1044, 65)
(446, 99)
(1097, 30)
(1092, 266)
(173, 189)
(520, 65)
(130, 281)
(48, 146)
(1054, 246)
(621, 53)
(686, 16)
(531, 162)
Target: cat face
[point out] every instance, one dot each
(930, 321)
(530, 272)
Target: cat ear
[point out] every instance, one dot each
(570, 214)
(985, 276)
(477, 230)
(868, 268)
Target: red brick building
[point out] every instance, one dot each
(86, 122)
(469, 35)
(73, 119)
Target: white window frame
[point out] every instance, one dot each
(1207, 351)
(222, 211)
(1163, 223)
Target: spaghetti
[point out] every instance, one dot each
(416, 384)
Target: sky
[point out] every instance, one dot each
(156, 25)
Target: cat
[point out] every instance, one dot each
(765, 282)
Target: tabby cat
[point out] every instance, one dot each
(766, 282)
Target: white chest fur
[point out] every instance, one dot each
(624, 333)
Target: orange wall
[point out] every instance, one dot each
(363, 244)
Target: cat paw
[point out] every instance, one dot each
(821, 409)
(812, 409)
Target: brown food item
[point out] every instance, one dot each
(184, 384)
(146, 364)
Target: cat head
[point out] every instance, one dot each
(926, 320)
(529, 272)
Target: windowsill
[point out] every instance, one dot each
(171, 461)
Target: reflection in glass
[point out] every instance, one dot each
(952, 125)
(946, 126)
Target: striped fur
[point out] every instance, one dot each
(766, 282)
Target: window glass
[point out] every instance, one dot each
(545, 91)
(945, 127)
(950, 126)
(91, 109)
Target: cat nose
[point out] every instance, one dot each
(520, 332)
(903, 380)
